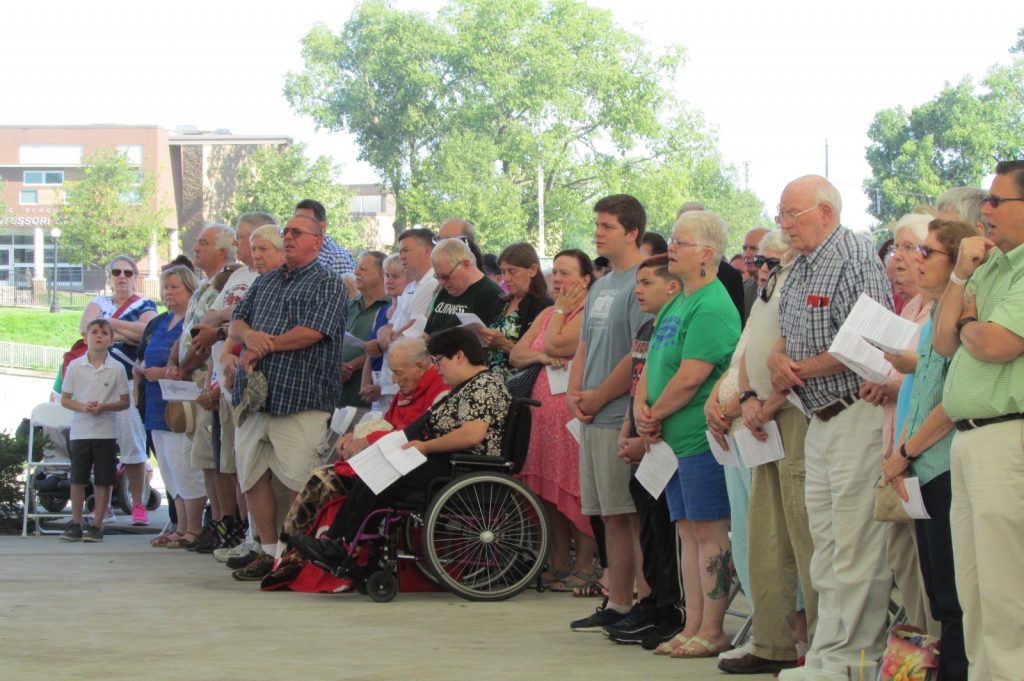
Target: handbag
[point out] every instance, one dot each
(888, 505)
(911, 654)
(521, 383)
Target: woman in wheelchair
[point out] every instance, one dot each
(471, 418)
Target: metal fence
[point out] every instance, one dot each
(30, 356)
(16, 296)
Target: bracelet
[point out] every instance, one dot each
(957, 280)
(903, 451)
(559, 310)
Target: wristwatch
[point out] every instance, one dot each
(746, 395)
(222, 334)
(961, 323)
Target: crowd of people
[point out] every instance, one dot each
(663, 343)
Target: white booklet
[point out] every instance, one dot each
(795, 400)
(863, 358)
(178, 391)
(915, 507)
(574, 427)
(726, 457)
(353, 342)
(657, 468)
(558, 379)
(342, 419)
(470, 321)
(880, 326)
(754, 452)
(381, 464)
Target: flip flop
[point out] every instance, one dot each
(698, 647)
(673, 644)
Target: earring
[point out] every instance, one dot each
(702, 272)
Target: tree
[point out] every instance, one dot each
(953, 140)
(110, 211)
(463, 114)
(273, 180)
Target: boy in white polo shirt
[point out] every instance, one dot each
(95, 386)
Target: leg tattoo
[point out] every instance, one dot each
(721, 568)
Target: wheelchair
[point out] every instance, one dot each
(479, 533)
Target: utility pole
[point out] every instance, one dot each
(826, 158)
(540, 211)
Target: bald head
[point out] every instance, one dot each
(808, 212)
(751, 242)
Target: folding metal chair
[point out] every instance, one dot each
(49, 415)
(748, 617)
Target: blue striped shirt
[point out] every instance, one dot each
(819, 293)
(280, 300)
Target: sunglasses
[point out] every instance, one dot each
(463, 239)
(927, 251)
(995, 201)
(760, 260)
(122, 273)
(295, 232)
(766, 291)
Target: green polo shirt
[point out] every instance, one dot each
(359, 323)
(976, 389)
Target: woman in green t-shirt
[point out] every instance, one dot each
(693, 340)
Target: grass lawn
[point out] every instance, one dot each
(39, 326)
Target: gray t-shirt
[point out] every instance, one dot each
(610, 321)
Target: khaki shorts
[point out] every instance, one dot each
(289, 446)
(200, 446)
(604, 477)
(226, 462)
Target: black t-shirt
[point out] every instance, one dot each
(484, 299)
(733, 282)
(638, 359)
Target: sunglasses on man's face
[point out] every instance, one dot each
(760, 260)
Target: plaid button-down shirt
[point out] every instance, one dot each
(819, 293)
(336, 258)
(280, 300)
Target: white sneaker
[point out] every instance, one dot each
(109, 517)
(736, 653)
(224, 555)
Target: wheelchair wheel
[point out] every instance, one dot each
(124, 499)
(155, 500)
(382, 586)
(54, 503)
(486, 536)
(412, 533)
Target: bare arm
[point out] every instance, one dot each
(131, 331)
(990, 342)
(466, 436)
(296, 338)
(92, 311)
(522, 355)
(562, 336)
(681, 388)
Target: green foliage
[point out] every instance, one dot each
(39, 327)
(459, 113)
(952, 140)
(110, 211)
(274, 180)
(12, 465)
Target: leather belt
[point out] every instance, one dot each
(971, 424)
(832, 410)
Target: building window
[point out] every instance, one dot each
(28, 197)
(132, 152)
(50, 154)
(43, 177)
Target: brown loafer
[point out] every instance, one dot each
(752, 664)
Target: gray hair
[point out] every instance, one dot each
(255, 219)
(415, 350)
(269, 233)
(688, 206)
(773, 241)
(122, 258)
(707, 228)
(916, 222)
(826, 192)
(377, 256)
(393, 264)
(186, 276)
(453, 250)
(224, 239)
(966, 202)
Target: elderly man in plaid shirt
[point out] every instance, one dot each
(292, 324)
(844, 439)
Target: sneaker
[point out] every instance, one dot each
(93, 534)
(241, 561)
(223, 555)
(207, 540)
(73, 533)
(601, 618)
(661, 634)
(108, 517)
(139, 516)
(752, 664)
(256, 570)
(632, 628)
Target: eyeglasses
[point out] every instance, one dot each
(927, 251)
(445, 277)
(994, 201)
(766, 291)
(682, 244)
(760, 260)
(295, 232)
(792, 215)
(463, 239)
(436, 359)
(122, 273)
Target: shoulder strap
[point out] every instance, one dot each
(125, 305)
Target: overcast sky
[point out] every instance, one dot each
(775, 82)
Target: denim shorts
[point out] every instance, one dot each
(697, 490)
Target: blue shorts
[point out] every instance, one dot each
(697, 490)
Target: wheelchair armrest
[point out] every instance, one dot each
(479, 460)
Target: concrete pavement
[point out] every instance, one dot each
(123, 610)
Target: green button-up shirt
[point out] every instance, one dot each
(976, 389)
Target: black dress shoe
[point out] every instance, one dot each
(325, 551)
(752, 664)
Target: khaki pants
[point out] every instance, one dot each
(987, 521)
(848, 569)
(780, 544)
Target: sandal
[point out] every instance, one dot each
(673, 644)
(160, 541)
(182, 542)
(591, 587)
(568, 583)
(698, 647)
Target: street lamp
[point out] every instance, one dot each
(55, 233)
